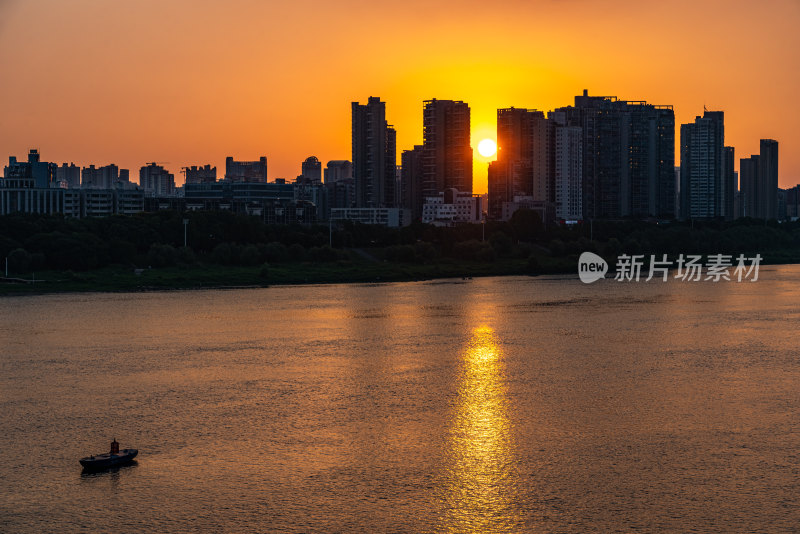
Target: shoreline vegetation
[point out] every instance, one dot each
(47, 254)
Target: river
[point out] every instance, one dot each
(507, 404)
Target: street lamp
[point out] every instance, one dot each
(185, 225)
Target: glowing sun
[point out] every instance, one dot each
(487, 148)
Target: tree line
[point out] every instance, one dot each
(38, 242)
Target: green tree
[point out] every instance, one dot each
(501, 243)
(297, 252)
(526, 224)
(19, 261)
(161, 255)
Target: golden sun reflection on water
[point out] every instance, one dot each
(482, 477)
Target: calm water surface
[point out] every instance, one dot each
(489, 405)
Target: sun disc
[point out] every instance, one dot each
(487, 148)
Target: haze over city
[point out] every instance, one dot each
(190, 83)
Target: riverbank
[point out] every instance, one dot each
(209, 276)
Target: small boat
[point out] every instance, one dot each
(110, 459)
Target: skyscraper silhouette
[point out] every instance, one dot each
(446, 152)
(729, 183)
(628, 156)
(759, 182)
(156, 180)
(411, 181)
(702, 183)
(374, 155)
(538, 158)
(567, 168)
(748, 186)
(767, 195)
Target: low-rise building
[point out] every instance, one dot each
(276, 203)
(452, 207)
(390, 217)
(20, 196)
(97, 202)
(128, 201)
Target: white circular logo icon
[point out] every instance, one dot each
(591, 267)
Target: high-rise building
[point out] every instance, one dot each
(374, 155)
(537, 158)
(628, 156)
(70, 175)
(702, 184)
(40, 172)
(105, 177)
(767, 195)
(446, 152)
(411, 181)
(91, 178)
(338, 169)
(500, 188)
(793, 203)
(341, 194)
(512, 174)
(156, 180)
(748, 186)
(200, 175)
(568, 172)
(541, 147)
(759, 182)
(782, 200)
(109, 175)
(311, 171)
(340, 184)
(246, 171)
(398, 185)
(730, 185)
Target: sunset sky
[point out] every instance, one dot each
(190, 82)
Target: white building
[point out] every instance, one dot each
(452, 207)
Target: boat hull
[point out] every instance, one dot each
(103, 461)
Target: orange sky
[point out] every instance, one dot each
(193, 81)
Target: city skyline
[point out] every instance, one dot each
(195, 95)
